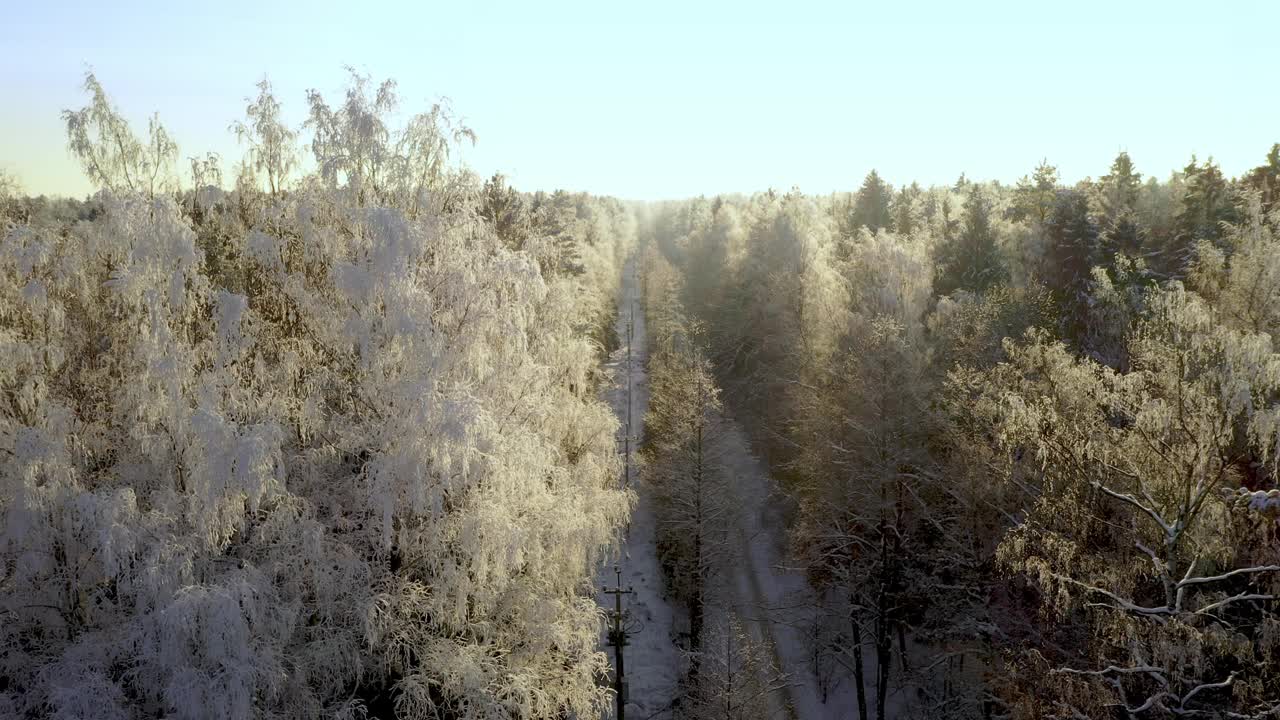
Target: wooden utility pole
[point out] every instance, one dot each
(618, 639)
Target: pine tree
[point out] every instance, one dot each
(1265, 179)
(1034, 197)
(1117, 191)
(1072, 253)
(1208, 202)
(504, 208)
(871, 207)
(1114, 202)
(906, 211)
(972, 260)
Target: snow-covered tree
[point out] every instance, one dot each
(113, 157)
(273, 149)
(738, 679)
(868, 491)
(10, 190)
(970, 257)
(355, 468)
(684, 463)
(1243, 278)
(1134, 530)
(357, 147)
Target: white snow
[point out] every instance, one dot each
(771, 596)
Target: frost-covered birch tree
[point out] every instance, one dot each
(273, 149)
(112, 157)
(356, 468)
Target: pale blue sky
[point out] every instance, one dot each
(655, 99)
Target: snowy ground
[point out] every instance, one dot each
(653, 662)
(773, 593)
(770, 592)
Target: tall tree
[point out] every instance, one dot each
(972, 260)
(1116, 192)
(1243, 278)
(10, 193)
(1265, 179)
(359, 150)
(865, 500)
(907, 211)
(871, 206)
(1072, 253)
(684, 469)
(273, 151)
(503, 207)
(1034, 197)
(1115, 199)
(1161, 581)
(1207, 203)
(113, 158)
(738, 676)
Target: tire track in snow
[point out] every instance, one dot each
(762, 623)
(763, 582)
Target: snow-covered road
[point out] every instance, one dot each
(653, 662)
(773, 598)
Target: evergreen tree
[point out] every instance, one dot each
(906, 211)
(1115, 201)
(871, 207)
(1073, 251)
(971, 261)
(1207, 203)
(1265, 179)
(506, 210)
(1034, 197)
(1116, 193)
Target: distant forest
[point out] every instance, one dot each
(1031, 431)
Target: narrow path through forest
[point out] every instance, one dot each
(653, 661)
(772, 599)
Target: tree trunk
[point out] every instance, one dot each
(859, 680)
(903, 660)
(884, 645)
